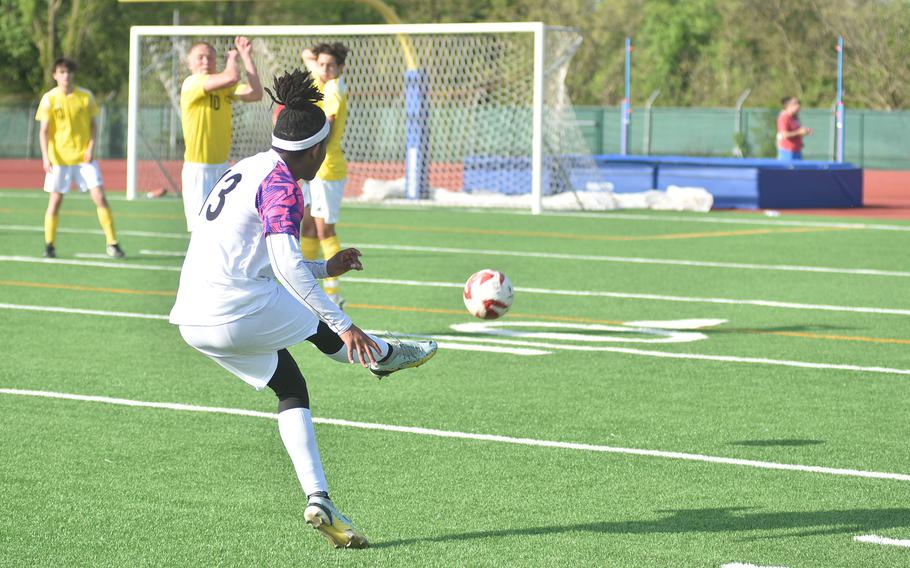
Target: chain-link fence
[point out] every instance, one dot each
(874, 139)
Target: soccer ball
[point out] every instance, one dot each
(488, 294)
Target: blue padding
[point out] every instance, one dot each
(732, 188)
(808, 189)
(734, 182)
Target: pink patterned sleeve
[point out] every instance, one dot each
(280, 203)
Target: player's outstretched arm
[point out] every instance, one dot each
(252, 91)
(229, 77)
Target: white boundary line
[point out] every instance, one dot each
(717, 217)
(580, 293)
(623, 350)
(546, 255)
(741, 565)
(150, 234)
(875, 539)
(472, 436)
(640, 260)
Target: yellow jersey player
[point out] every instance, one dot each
(206, 100)
(67, 137)
(326, 63)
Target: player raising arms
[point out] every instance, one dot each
(206, 106)
(67, 137)
(231, 306)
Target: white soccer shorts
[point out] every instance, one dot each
(248, 347)
(197, 180)
(86, 176)
(326, 199)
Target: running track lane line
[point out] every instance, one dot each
(605, 349)
(471, 436)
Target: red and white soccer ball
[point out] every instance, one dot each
(488, 294)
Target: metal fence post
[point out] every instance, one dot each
(30, 137)
(649, 104)
(738, 123)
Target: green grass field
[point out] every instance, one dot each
(809, 368)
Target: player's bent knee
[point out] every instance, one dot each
(326, 340)
(289, 384)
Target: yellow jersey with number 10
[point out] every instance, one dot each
(69, 124)
(206, 119)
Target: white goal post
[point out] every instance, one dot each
(468, 108)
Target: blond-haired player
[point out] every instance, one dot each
(326, 63)
(206, 105)
(67, 137)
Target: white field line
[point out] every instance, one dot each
(639, 260)
(741, 565)
(82, 312)
(96, 264)
(875, 539)
(655, 297)
(173, 253)
(149, 234)
(94, 255)
(471, 436)
(545, 255)
(491, 349)
(580, 293)
(715, 218)
(623, 350)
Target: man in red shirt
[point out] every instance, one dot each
(789, 131)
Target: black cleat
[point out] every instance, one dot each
(114, 251)
(50, 251)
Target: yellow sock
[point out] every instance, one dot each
(330, 248)
(50, 228)
(107, 225)
(309, 246)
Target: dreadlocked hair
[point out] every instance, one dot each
(300, 118)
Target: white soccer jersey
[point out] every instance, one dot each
(227, 273)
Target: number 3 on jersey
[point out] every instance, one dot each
(231, 182)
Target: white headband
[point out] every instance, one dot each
(297, 145)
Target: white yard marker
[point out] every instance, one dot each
(875, 539)
(471, 436)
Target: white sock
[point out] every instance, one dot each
(296, 428)
(342, 355)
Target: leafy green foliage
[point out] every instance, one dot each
(698, 52)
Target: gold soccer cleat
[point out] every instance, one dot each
(321, 514)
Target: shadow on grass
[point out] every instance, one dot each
(732, 519)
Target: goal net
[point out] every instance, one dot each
(444, 111)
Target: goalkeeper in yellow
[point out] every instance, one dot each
(325, 61)
(67, 136)
(206, 108)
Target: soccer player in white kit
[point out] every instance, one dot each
(231, 307)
